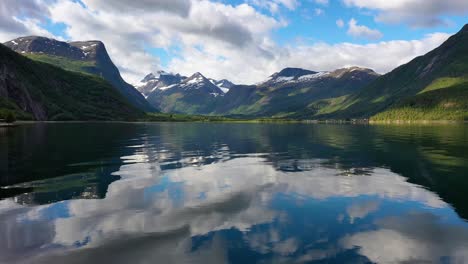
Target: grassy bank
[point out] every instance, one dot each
(165, 117)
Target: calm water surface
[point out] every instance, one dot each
(233, 193)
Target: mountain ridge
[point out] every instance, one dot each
(40, 91)
(285, 91)
(192, 95)
(431, 86)
(83, 56)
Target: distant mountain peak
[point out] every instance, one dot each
(293, 72)
(149, 77)
(298, 75)
(224, 84)
(197, 75)
(160, 80)
(292, 75)
(353, 69)
(43, 45)
(197, 78)
(158, 75)
(75, 50)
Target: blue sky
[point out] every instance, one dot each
(242, 40)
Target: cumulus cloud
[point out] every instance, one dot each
(181, 7)
(417, 13)
(340, 23)
(204, 36)
(22, 17)
(254, 65)
(274, 6)
(290, 4)
(207, 23)
(360, 31)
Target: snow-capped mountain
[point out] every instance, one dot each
(194, 94)
(286, 91)
(297, 75)
(200, 82)
(287, 75)
(159, 80)
(223, 84)
(47, 46)
(162, 80)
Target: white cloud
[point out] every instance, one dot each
(219, 40)
(340, 23)
(417, 13)
(181, 7)
(360, 31)
(361, 210)
(254, 65)
(407, 240)
(274, 6)
(319, 11)
(290, 4)
(207, 24)
(22, 17)
(321, 2)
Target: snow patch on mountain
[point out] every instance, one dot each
(223, 84)
(284, 79)
(225, 90)
(313, 76)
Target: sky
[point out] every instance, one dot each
(244, 41)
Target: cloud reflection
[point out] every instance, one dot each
(413, 238)
(152, 214)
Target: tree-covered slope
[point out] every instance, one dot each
(447, 103)
(429, 87)
(40, 91)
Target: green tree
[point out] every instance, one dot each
(10, 117)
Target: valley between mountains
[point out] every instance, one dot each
(47, 79)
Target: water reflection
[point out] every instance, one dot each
(235, 193)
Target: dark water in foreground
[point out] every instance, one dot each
(233, 193)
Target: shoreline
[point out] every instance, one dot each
(414, 122)
(254, 121)
(8, 124)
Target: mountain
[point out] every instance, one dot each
(159, 80)
(285, 93)
(433, 86)
(40, 91)
(162, 79)
(82, 56)
(288, 74)
(193, 95)
(223, 84)
(292, 90)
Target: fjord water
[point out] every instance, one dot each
(233, 193)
